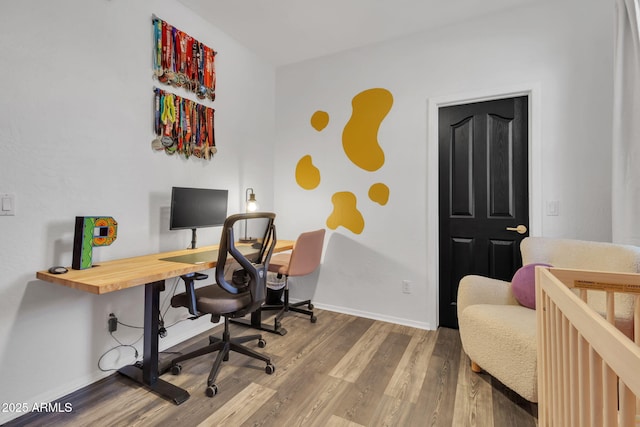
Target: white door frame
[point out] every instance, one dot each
(532, 91)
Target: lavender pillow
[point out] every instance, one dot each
(523, 285)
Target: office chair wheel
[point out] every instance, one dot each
(176, 369)
(262, 343)
(212, 390)
(270, 369)
(310, 306)
(314, 319)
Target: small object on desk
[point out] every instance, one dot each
(91, 231)
(58, 269)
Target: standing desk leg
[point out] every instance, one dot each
(148, 376)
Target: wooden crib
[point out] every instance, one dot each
(588, 370)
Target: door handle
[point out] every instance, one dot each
(520, 229)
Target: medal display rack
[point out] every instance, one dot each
(183, 126)
(182, 61)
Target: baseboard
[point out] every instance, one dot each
(374, 316)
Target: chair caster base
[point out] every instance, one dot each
(212, 390)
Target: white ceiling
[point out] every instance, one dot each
(288, 31)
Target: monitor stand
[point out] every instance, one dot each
(193, 238)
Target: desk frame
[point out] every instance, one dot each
(115, 275)
(149, 373)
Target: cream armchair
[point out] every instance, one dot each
(499, 335)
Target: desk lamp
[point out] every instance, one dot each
(251, 206)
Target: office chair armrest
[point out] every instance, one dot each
(191, 291)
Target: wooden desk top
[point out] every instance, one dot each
(109, 276)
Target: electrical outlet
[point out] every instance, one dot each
(112, 321)
(406, 287)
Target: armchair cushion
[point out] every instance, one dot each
(523, 284)
(502, 339)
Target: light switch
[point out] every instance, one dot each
(7, 204)
(553, 208)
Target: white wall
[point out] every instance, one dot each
(563, 49)
(75, 134)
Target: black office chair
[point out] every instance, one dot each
(239, 292)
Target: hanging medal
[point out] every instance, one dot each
(202, 90)
(157, 45)
(202, 124)
(175, 128)
(210, 74)
(156, 144)
(183, 58)
(168, 118)
(187, 123)
(188, 72)
(211, 143)
(195, 59)
(167, 52)
(177, 56)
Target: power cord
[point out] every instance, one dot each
(162, 330)
(120, 344)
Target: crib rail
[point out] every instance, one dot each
(588, 371)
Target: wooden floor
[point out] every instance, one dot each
(341, 371)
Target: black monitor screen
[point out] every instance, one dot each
(197, 207)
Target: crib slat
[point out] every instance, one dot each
(549, 361)
(584, 395)
(543, 351)
(610, 400)
(595, 378)
(609, 378)
(557, 364)
(627, 405)
(551, 357)
(566, 380)
(611, 308)
(573, 373)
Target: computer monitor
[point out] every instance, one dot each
(193, 208)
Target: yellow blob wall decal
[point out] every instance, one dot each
(360, 145)
(307, 175)
(360, 134)
(320, 120)
(345, 213)
(379, 193)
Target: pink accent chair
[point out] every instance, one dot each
(303, 259)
